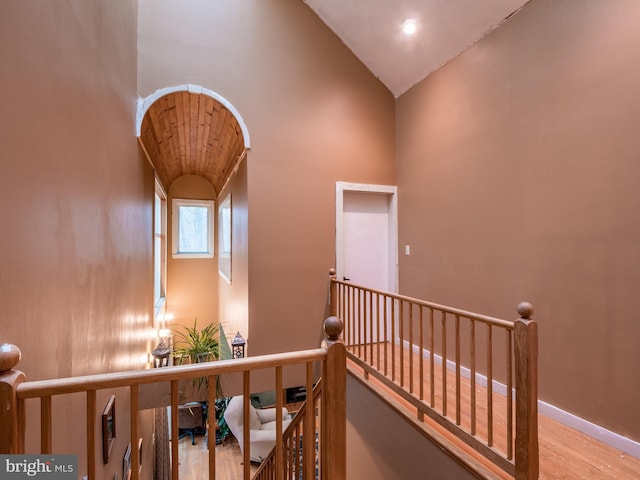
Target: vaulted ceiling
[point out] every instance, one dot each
(372, 29)
(187, 133)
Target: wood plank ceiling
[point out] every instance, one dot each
(191, 134)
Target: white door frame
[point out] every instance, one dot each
(388, 190)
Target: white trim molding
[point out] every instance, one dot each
(597, 432)
(392, 192)
(144, 104)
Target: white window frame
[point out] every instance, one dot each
(225, 230)
(159, 247)
(176, 203)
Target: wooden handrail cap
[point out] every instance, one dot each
(332, 271)
(9, 357)
(333, 327)
(525, 310)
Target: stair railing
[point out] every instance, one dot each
(331, 357)
(448, 364)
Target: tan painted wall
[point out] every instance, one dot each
(518, 179)
(315, 116)
(75, 200)
(233, 300)
(382, 445)
(192, 283)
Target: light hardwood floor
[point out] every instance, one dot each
(565, 453)
(194, 460)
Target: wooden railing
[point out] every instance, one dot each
(456, 367)
(301, 441)
(14, 392)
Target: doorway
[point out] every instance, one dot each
(367, 235)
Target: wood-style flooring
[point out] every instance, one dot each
(194, 460)
(565, 453)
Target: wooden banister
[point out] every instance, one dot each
(11, 440)
(41, 388)
(526, 360)
(455, 367)
(334, 403)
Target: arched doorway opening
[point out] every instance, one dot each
(196, 142)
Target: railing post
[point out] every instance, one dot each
(333, 293)
(526, 361)
(333, 434)
(12, 431)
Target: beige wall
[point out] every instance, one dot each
(518, 177)
(192, 283)
(75, 199)
(315, 116)
(383, 445)
(233, 300)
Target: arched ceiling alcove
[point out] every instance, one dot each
(191, 131)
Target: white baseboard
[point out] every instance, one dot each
(601, 434)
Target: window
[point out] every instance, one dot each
(159, 246)
(192, 228)
(224, 239)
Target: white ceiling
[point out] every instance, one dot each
(372, 29)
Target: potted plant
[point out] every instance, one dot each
(196, 346)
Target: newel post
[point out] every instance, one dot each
(12, 427)
(526, 360)
(334, 403)
(333, 293)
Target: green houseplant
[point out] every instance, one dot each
(205, 345)
(196, 346)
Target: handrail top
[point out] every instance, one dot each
(443, 308)
(57, 386)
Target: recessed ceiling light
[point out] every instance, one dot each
(409, 26)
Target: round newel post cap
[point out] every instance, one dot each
(9, 357)
(332, 272)
(333, 328)
(525, 310)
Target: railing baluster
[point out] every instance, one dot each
(91, 433)
(432, 369)
(444, 363)
(22, 423)
(133, 416)
(279, 449)
(401, 342)
(356, 328)
(509, 394)
(385, 300)
(309, 431)
(363, 322)
(174, 430)
(371, 336)
(45, 424)
(489, 385)
(457, 326)
(212, 394)
(410, 347)
(378, 331)
(246, 448)
(472, 354)
(421, 357)
(343, 312)
(393, 339)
